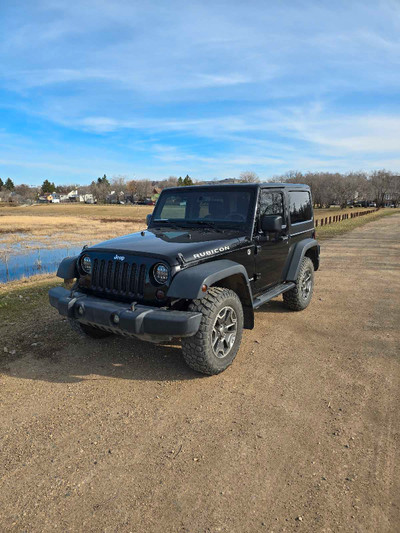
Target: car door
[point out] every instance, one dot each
(271, 248)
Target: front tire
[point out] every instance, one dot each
(88, 331)
(299, 297)
(215, 345)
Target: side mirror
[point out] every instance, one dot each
(271, 223)
(148, 218)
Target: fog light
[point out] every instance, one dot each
(115, 319)
(160, 294)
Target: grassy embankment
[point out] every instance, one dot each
(339, 228)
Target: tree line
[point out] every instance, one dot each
(328, 188)
(380, 186)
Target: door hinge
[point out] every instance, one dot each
(257, 249)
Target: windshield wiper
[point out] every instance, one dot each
(166, 222)
(207, 224)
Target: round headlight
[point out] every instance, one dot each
(86, 264)
(160, 273)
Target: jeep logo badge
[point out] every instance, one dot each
(119, 257)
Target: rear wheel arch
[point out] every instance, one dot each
(306, 248)
(313, 254)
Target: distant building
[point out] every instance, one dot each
(75, 196)
(116, 198)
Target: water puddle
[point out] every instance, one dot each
(18, 261)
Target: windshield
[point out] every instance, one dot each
(205, 207)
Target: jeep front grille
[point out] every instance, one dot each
(119, 278)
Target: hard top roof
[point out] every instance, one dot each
(252, 185)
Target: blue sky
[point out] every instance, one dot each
(210, 88)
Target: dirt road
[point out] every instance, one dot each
(299, 434)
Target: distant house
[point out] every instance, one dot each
(75, 196)
(116, 197)
(55, 198)
(88, 198)
(45, 198)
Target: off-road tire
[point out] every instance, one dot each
(197, 350)
(295, 299)
(88, 331)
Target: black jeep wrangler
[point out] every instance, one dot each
(209, 257)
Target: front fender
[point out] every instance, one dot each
(67, 269)
(188, 283)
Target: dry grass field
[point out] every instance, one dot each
(55, 225)
(71, 223)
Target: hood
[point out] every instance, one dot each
(166, 244)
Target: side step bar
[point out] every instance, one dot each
(272, 293)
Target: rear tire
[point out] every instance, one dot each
(88, 331)
(299, 297)
(215, 345)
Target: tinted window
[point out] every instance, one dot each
(271, 203)
(300, 206)
(226, 207)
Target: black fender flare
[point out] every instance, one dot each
(188, 284)
(299, 252)
(68, 268)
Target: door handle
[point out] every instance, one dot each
(284, 238)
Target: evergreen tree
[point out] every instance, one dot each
(103, 180)
(1, 183)
(9, 184)
(188, 180)
(48, 187)
(180, 182)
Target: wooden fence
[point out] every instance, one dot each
(344, 216)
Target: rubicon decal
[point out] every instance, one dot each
(211, 252)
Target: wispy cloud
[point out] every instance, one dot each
(200, 87)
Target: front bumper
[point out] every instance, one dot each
(151, 323)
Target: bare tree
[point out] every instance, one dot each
(381, 181)
(119, 184)
(143, 189)
(248, 177)
(100, 191)
(28, 193)
(395, 189)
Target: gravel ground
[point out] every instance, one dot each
(301, 433)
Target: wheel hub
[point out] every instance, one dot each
(224, 331)
(306, 284)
